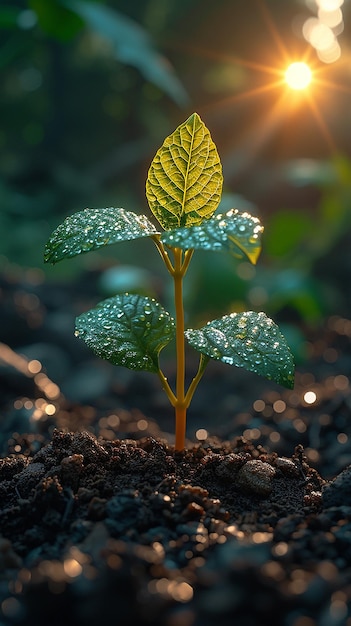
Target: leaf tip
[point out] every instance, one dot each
(48, 256)
(289, 381)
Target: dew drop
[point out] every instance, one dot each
(218, 337)
(228, 359)
(87, 245)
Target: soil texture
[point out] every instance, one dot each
(103, 522)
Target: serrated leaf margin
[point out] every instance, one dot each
(91, 229)
(184, 182)
(234, 232)
(128, 330)
(241, 339)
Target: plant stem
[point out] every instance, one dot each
(187, 258)
(165, 384)
(160, 247)
(180, 416)
(179, 400)
(194, 383)
(180, 406)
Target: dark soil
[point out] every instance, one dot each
(102, 522)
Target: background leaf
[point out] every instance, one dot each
(287, 229)
(56, 20)
(93, 228)
(184, 183)
(250, 340)
(128, 330)
(8, 16)
(234, 232)
(131, 44)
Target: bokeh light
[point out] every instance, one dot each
(322, 31)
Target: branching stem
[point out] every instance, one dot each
(180, 400)
(166, 386)
(194, 383)
(163, 252)
(180, 406)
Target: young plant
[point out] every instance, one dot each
(183, 189)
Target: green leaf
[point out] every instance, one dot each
(91, 229)
(128, 330)
(234, 232)
(287, 231)
(185, 180)
(250, 340)
(131, 44)
(56, 20)
(9, 16)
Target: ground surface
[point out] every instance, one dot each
(102, 522)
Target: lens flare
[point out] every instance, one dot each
(298, 76)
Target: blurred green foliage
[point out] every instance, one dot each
(90, 88)
(80, 83)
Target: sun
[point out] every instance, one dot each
(298, 75)
(284, 73)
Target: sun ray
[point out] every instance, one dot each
(271, 77)
(239, 160)
(231, 59)
(248, 94)
(329, 84)
(273, 30)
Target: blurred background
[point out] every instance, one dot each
(89, 91)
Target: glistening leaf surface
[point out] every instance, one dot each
(233, 232)
(128, 330)
(184, 183)
(91, 229)
(250, 340)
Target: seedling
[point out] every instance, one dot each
(183, 189)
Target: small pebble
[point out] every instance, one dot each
(256, 477)
(287, 466)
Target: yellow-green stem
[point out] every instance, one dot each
(167, 389)
(180, 406)
(160, 247)
(194, 383)
(179, 400)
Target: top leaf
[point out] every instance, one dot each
(93, 228)
(234, 232)
(184, 183)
